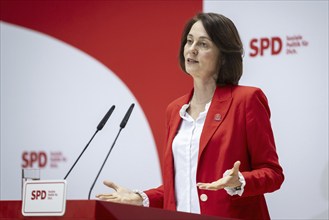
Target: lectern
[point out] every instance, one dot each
(94, 209)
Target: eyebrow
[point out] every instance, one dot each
(202, 37)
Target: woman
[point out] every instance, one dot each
(219, 135)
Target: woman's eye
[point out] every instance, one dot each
(189, 41)
(203, 44)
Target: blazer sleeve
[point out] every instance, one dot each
(155, 196)
(266, 174)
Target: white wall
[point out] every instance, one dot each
(296, 85)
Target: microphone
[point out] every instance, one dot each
(106, 117)
(122, 125)
(125, 119)
(99, 127)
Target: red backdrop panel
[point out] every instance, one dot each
(137, 40)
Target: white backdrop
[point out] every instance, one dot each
(296, 84)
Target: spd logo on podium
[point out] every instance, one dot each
(44, 198)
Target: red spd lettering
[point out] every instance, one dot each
(34, 158)
(259, 46)
(38, 194)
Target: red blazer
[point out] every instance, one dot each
(237, 127)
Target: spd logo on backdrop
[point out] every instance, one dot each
(273, 46)
(41, 159)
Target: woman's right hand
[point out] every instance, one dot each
(121, 195)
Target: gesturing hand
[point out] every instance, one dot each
(121, 195)
(231, 180)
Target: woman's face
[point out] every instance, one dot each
(202, 57)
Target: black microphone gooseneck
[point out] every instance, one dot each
(99, 127)
(122, 125)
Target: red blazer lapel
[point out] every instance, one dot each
(172, 126)
(218, 109)
(175, 118)
(172, 130)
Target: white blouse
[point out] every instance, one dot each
(185, 151)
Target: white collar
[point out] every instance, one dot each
(183, 110)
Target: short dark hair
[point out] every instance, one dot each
(225, 36)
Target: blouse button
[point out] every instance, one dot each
(203, 197)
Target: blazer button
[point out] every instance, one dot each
(203, 197)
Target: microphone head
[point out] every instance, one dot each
(106, 117)
(125, 119)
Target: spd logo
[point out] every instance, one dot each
(41, 159)
(34, 159)
(38, 194)
(273, 46)
(259, 46)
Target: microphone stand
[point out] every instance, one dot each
(122, 125)
(81, 154)
(104, 163)
(99, 127)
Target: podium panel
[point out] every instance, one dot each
(94, 209)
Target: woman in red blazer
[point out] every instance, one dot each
(219, 157)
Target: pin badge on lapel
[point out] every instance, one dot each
(217, 117)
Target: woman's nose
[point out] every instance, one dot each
(193, 49)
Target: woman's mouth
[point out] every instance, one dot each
(189, 60)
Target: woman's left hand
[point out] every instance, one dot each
(231, 180)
